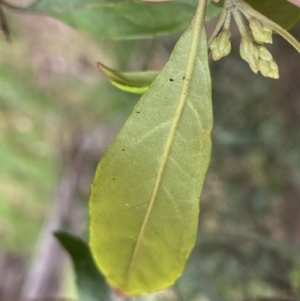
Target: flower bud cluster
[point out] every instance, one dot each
(255, 30)
(258, 58)
(220, 46)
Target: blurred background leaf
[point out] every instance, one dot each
(91, 285)
(122, 19)
(281, 11)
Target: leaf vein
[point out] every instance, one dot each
(179, 165)
(199, 118)
(175, 203)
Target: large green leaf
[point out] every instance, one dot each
(280, 11)
(91, 284)
(122, 19)
(144, 202)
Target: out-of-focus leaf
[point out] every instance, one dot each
(144, 203)
(194, 282)
(91, 284)
(287, 250)
(4, 25)
(121, 19)
(280, 11)
(272, 299)
(212, 10)
(134, 82)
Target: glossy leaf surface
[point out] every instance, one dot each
(121, 19)
(91, 285)
(145, 195)
(133, 82)
(280, 11)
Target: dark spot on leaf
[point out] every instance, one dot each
(171, 79)
(183, 78)
(114, 179)
(123, 150)
(138, 112)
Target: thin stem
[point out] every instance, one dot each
(219, 25)
(227, 20)
(248, 10)
(240, 22)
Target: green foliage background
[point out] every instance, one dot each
(248, 240)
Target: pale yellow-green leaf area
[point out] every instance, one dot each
(144, 203)
(133, 82)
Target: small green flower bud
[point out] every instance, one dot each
(274, 70)
(273, 66)
(216, 55)
(261, 33)
(266, 64)
(249, 52)
(220, 45)
(214, 49)
(268, 34)
(264, 67)
(224, 42)
(268, 69)
(267, 28)
(265, 54)
(255, 25)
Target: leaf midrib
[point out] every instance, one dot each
(197, 29)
